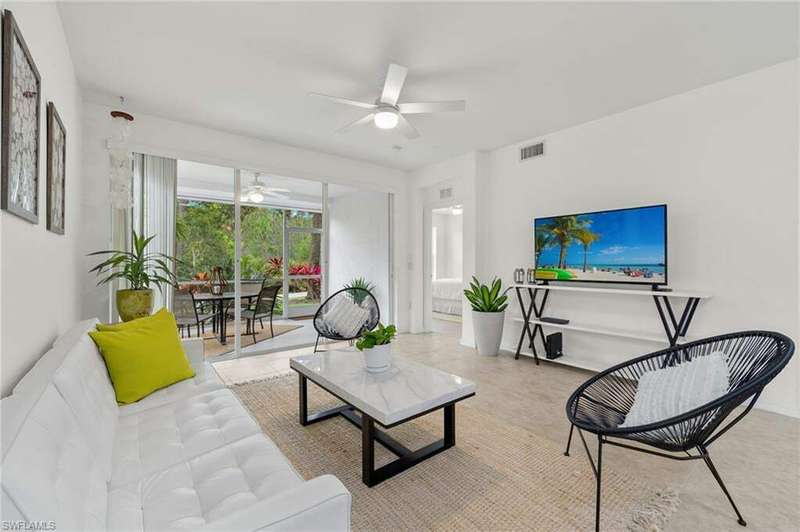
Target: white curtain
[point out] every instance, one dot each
(154, 206)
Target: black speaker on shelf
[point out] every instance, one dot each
(554, 346)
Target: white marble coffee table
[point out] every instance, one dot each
(405, 391)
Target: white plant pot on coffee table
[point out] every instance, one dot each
(488, 327)
(378, 358)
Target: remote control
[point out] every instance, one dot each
(560, 321)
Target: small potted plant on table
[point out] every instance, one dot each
(488, 313)
(377, 347)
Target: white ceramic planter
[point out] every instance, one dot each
(488, 328)
(378, 359)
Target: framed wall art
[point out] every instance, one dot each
(19, 173)
(56, 170)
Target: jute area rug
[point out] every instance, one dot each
(498, 476)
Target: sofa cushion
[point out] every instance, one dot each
(206, 488)
(49, 469)
(42, 372)
(157, 438)
(205, 380)
(144, 358)
(82, 380)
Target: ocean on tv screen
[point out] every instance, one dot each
(624, 246)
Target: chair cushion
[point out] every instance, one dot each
(161, 437)
(143, 356)
(668, 392)
(203, 489)
(346, 318)
(82, 380)
(50, 471)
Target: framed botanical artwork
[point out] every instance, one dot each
(56, 169)
(19, 172)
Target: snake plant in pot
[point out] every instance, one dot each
(488, 312)
(141, 270)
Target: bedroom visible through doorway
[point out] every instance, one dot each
(446, 266)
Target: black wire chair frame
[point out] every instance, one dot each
(601, 403)
(360, 296)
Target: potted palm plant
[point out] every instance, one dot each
(141, 270)
(488, 313)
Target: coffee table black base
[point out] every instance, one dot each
(406, 458)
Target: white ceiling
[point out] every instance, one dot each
(524, 69)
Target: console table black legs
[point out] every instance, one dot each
(536, 311)
(675, 329)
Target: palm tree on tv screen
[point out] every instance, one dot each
(544, 240)
(562, 231)
(586, 237)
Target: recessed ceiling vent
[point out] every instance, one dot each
(529, 152)
(445, 193)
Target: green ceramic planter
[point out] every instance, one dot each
(132, 304)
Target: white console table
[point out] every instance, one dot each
(675, 328)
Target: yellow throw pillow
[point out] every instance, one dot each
(143, 355)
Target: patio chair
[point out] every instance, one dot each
(187, 313)
(264, 307)
(346, 315)
(601, 404)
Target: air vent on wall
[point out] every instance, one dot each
(445, 193)
(528, 152)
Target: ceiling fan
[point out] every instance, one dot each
(256, 192)
(386, 113)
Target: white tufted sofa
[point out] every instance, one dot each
(186, 457)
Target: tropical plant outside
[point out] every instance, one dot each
(138, 267)
(485, 298)
(380, 336)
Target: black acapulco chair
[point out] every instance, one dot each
(361, 297)
(600, 405)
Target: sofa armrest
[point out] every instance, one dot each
(195, 352)
(322, 503)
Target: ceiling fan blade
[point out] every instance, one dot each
(432, 107)
(406, 128)
(346, 101)
(278, 190)
(395, 77)
(275, 195)
(363, 120)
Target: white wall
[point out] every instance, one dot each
(723, 157)
(359, 245)
(168, 138)
(41, 272)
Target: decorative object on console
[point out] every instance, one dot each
(519, 276)
(22, 88)
(218, 282)
(488, 314)
(330, 323)
(377, 348)
(120, 159)
(531, 275)
(140, 269)
(602, 404)
(56, 170)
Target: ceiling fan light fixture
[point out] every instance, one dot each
(256, 197)
(386, 119)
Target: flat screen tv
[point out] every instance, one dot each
(619, 246)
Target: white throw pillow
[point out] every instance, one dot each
(346, 318)
(669, 392)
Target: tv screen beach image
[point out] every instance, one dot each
(622, 246)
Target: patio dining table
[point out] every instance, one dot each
(219, 305)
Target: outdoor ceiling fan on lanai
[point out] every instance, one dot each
(386, 113)
(257, 191)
